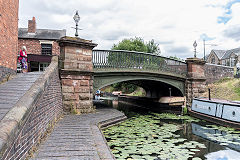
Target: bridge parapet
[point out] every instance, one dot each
(140, 61)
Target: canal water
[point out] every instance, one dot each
(165, 136)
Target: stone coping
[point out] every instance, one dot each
(76, 41)
(218, 65)
(12, 122)
(195, 61)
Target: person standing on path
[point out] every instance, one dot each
(23, 59)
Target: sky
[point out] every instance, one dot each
(173, 24)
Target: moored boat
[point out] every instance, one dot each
(218, 111)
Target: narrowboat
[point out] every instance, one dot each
(223, 112)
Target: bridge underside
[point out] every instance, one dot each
(155, 85)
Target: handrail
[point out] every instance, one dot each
(132, 60)
(152, 54)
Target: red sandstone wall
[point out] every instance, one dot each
(34, 46)
(8, 33)
(214, 72)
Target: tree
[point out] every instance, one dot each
(132, 44)
(153, 47)
(135, 59)
(125, 87)
(137, 44)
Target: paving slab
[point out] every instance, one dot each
(14, 89)
(79, 137)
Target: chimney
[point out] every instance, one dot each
(32, 25)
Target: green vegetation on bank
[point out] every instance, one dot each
(108, 89)
(133, 90)
(226, 88)
(139, 92)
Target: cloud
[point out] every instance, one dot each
(233, 32)
(173, 24)
(206, 37)
(168, 42)
(114, 35)
(178, 50)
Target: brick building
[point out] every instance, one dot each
(224, 57)
(41, 44)
(8, 37)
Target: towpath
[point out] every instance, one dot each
(79, 137)
(14, 89)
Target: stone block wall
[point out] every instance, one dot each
(196, 80)
(8, 37)
(194, 88)
(216, 72)
(25, 124)
(34, 47)
(76, 74)
(77, 93)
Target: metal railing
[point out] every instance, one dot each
(120, 59)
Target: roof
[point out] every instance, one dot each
(229, 52)
(47, 34)
(219, 53)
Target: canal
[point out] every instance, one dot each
(157, 135)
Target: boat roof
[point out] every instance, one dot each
(222, 101)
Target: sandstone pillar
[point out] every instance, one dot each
(196, 80)
(76, 71)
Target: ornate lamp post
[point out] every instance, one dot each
(195, 52)
(76, 18)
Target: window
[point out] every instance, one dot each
(43, 66)
(228, 62)
(232, 61)
(46, 49)
(223, 62)
(213, 60)
(38, 66)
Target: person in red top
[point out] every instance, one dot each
(23, 58)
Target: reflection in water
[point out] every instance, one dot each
(223, 155)
(115, 104)
(224, 138)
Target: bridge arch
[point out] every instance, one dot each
(149, 81)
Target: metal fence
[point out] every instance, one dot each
(120, 59)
